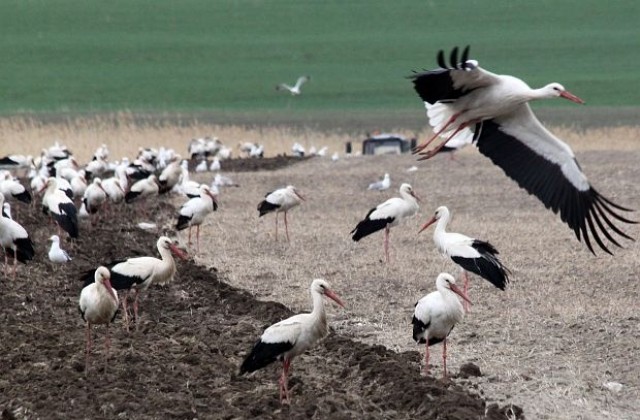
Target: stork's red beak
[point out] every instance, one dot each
(416, 196)
(107, 283)
(331, 295)
(455, 289)
(299, 196)
(178, 252)
(426, 225)
(570, 96)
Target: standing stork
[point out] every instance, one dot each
(142, 189)
(60, 207)
(15, 242)
(94, 199)
(140, 272)
(388, 214)
(280, 201)
(193, 212)
(470, 254)
(98, 304)
(293, 336)
(435, 316)
(465, 100)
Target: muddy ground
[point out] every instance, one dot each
(183, 360)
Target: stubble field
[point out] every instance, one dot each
(567, 324)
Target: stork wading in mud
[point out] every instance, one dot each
(15, 242)
(98, 304)
(291, 337)
(436, 314)
(138, 273)
(464, 100)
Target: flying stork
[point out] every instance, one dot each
(462, 99)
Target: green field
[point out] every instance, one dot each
(227, 55)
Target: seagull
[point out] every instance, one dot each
(294, 90)
(57, 254)
(381, 185)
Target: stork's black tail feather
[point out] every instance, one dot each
(24, 252)
(183, 222)
(488, 266)
(67, 219)
(264, 354)
(266, 207)
(368, 226)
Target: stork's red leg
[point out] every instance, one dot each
(276, 226)
(135, 308)
(425, 370)
(126, 311)
(437, 133)
(431, 153)
(287, 363)
(286, 228)
(189, 235)
(198, 239)
(88, 348)
(282, 381)
(444, 356)
(386, 243)
(15, 262)
(465, 289)
(107, 344)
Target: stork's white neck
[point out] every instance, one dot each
(440, 229)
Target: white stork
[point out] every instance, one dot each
(114, 189)
(98, 304)
(193, 212)
(203, 166)
(79, 183)
(293, 336)
(470, 254)
(65, 186)
(280, 200)
(294, 90)
(6, 211)
(140, 272)
(94, 198)
(186, 186)
(16, 160)
(60, 207)
(388, 214)
(142, 189)
(57, 254)
(381, 185)
(13, 189)
(464, 99)
(170, 176)
(15, 242)
(435, 316)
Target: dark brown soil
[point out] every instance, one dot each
(255, 164)
(183, 360)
